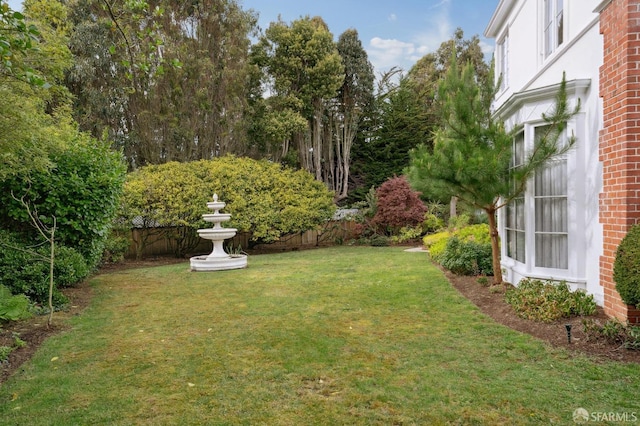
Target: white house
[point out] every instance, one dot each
(574, 213)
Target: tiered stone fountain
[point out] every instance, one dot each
(218, 260)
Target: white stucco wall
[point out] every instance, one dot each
(579, 57)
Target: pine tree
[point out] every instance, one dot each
(472, 151)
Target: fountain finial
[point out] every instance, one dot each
(215, 197)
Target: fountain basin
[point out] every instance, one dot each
(217, 234)
(208, 263)
(216, 217)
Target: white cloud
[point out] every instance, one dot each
(487, 48)
(387, 53)
(393, 17)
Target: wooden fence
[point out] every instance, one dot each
(154, 242)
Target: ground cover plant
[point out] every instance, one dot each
(343, 335)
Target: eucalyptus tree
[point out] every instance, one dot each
(354, 98)
(303, 71)
(166, 80)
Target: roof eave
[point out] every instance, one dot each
(498, 17)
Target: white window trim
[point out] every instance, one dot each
(503, 61)
(546, 53)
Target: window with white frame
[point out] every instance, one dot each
(551, 212)
(503, 61)
(515, 221)
(553, 25)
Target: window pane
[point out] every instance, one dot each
(551, 251)
(559, 23)
(552, 180)
(516, 245)
(551, 215)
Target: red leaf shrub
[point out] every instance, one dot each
(398, 206)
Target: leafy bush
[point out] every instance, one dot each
(613, 332)
(262, 197)
(25, 270)
(545, 301)
(13, 307)
(432, 222)
(115, 248)
(431, 239)
(459, 221)
(466, 257)
(407, 233)
(398, 206)
(379, 241)
(467, 251)
(81, 191)
(626, 267)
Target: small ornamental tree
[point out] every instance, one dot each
(472, 151)
(398, 206)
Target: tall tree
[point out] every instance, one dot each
(472, 153)
(355, 97)
(33, 102)
(167, 80)
(303, 71)
(407, 112)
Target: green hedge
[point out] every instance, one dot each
(81, 190)
(262, 197)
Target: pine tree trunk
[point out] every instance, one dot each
(495, 246)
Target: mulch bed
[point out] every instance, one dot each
(35, 330)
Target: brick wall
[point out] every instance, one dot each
(620, 137)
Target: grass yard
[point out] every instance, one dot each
(337, 336)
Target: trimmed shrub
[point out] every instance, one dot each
(431, 239)
(398, 206)
(263, 198)
(466, 251)
(115, 248)
(546, 301)
(466, 257)
(626, 267)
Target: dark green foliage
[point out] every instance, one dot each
(626, 268)
(13, 307)
(24, 269)
(81, 191)
(466, 257)
(546, 301)
(379, 241)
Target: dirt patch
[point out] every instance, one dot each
(35, 330)
(492, 303)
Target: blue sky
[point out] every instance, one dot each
(394, 33)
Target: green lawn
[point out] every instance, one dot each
(337, 336)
